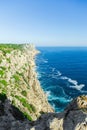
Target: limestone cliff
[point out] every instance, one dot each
(18, 80)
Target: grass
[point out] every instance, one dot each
(2, 73)
(33, 107)
(21, 74)
(3, 68)
(7, 48)
(16, 77)
(24, 93)
(8, 59)
(4, 82)
(28, 116)
(30, 107)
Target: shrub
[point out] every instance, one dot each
(1, 73)
(25, 103)
(27, 116)
(16, 77)
(33, 107)
(4, 82)
(24, 93)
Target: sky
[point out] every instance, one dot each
(44, 22)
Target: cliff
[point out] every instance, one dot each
(18, 80)
(22, 100)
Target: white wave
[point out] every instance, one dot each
(84, 91)
(48, 93)
(40, 60)
(62, 99)
(64, 77)
(53, 69)
(59, 73)
(55, 74)
(54, 106)
(78, 87)
(38, 75)
(45, 61)
(74, 83)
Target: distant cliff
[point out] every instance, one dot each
(22, 100)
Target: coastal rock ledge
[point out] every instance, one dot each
(73, 118)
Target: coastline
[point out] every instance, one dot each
(23, 103)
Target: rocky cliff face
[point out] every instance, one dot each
(18, 80)
(73, 118)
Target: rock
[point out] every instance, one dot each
(18, 80)
(74, 117)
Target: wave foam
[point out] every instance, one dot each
(59, 73)
(74, 83)
(78, 87)
(53, 69)
(38, 75)
(48, 93)
(45, 61)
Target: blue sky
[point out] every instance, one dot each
(44, 22)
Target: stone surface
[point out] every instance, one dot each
(73, 118)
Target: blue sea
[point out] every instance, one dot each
(62, 72)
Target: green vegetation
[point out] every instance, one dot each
(10, 46)
(3, 68)
(8, 59)
(21, 74)
(33, 107)
(2, 73)
(16, 77)
(30, 107)
(4, 90)
(28, 116)
(24, 93)
(7, 48)
(4, 82)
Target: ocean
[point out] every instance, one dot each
(62, 72)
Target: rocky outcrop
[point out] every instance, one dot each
(73, 118)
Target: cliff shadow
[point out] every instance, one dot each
(6, 108)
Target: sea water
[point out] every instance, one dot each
(62, 72)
